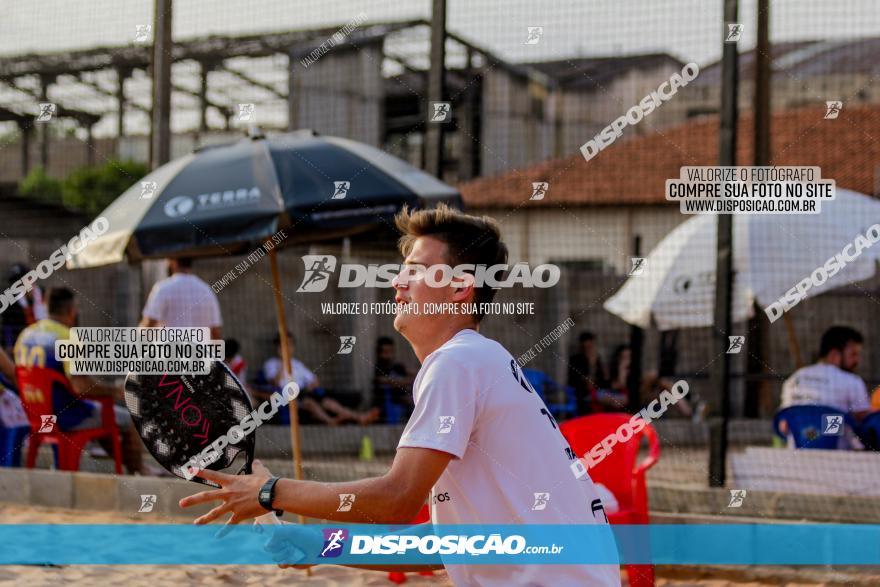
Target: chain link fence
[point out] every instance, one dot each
(525, 93)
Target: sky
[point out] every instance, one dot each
(689, 29)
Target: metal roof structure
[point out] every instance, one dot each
(590, 73)
(116, 79)
(802, 59)
(372, 86)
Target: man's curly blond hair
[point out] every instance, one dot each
(473, 240)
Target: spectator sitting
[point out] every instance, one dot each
(831, 381)
(311, 399)
(651, 386)
(616, 396)
(182, 300)
(74, 412)
(391, 381)
(25, 311)
(586, 372)
(7, 370)
(609, 390)
(234, 360)
(12, 414)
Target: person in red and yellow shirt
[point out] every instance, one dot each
(36, 346)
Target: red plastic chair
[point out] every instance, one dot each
(620, 472)
(399, 577)
(35, 384)
(238, 365)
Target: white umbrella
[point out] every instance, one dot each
(772, 254)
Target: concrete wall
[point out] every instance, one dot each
(342, 95)
(577, 233)
(586, 112)
(98, 492)
(517, 127)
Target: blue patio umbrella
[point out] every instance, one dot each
(228, 199)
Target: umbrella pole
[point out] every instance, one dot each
(793, 341)
(285, 361)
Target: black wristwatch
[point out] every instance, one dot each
(267, 495)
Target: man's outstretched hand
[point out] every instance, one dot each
(289, 544)
(238, 494)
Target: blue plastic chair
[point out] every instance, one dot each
(542, 383)
(537, 379)
(4, 382)
(567, 409)
(392, 411)
(11, 441)
(869, 431)
(806, 424)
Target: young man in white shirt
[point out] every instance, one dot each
(182, 300)
(480, 445)
(831, 381)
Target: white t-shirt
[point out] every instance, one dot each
(12, 414)
(827, 385)
(469, 402)
(38, 306)
(302, 376)
(183, 300)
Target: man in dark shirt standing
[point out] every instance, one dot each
(392, 382)
(586, 372)
(24, 312)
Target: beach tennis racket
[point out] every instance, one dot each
(180, 416)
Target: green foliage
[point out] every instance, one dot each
(91, 189)
(39, 186)
(87, 189)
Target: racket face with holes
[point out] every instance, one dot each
(179, 416)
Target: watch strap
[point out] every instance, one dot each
(267, 496)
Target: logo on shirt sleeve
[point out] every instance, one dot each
(441, 497)
(446, 423)
(541, 501)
